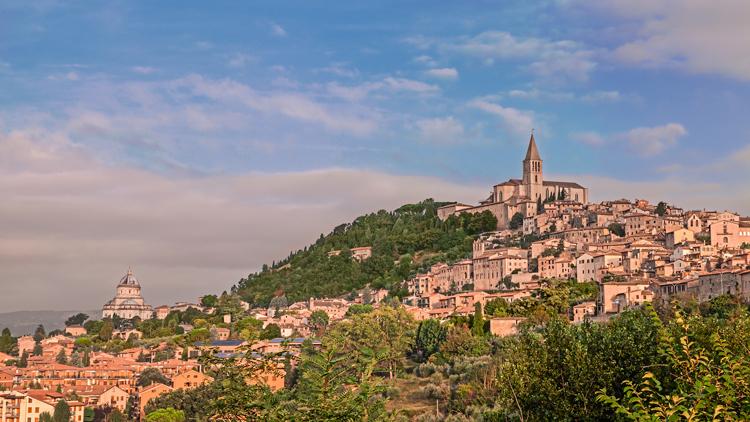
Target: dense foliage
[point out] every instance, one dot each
(684, 362)
(403, 242)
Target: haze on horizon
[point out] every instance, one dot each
(197, 143)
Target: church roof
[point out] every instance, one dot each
(562, 184)
(129, 279)
(532, 153)
(511, 182)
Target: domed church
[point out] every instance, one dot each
(128, 302)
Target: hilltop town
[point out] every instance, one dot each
(538, 240)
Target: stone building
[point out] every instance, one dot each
(128, 302)
(521, 195)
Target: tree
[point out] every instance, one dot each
(23, 362)
(703, 381)
(477, 324)
(45, 417)
(617, 229)
(430, 334)
(77, 319)
(387, 332)
(166, 415)
(39, 333)
(150, 376)
(270, 332)
(356, 309)
(105, 332)
(62, 358)
(516, 221)
(210, 301)
(661, 209)
(62, 412)
(319, 322)
(37, 349)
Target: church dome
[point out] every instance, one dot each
(129, 279)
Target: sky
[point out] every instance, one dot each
(195, 141)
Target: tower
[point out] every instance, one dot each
(532, 171)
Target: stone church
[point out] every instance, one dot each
(521, 195)
(128, 302)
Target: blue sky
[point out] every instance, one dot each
(408, 98)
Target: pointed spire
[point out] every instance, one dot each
(532, 153)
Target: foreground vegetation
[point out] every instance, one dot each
(681, 363)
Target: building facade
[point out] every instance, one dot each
(521, 195)
(128, 302)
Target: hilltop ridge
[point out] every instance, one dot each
(403, 241)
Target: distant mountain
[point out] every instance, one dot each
(25, 322)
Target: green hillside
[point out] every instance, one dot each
(404, 241)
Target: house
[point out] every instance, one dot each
(678, 236)
(615, 297)
(75, 330)
(507, 326)
(717, 283)
(26, 344)
(220, 333)
(161, 312)
(149, 393)
(730, 234)
(106, 396)
(190, 379)
(361, 253)
(583, 310)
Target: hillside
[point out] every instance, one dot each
(25, 322)
(404, 241)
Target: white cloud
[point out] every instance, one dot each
(240, 60)
(443, 73)
(388, 84)
(588, 138)
(340, 69)
(519, 121)
(291, 104)
(70, 225)
(653, 140)
(143, 70)
(696, 35)
(278, 30)
(545, 58)
(592, 97)
(444, 131)
(425, 60)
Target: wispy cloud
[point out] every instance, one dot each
(642, 140)
(545, 58)
(448, 73)
(388, 84)
(441, 130)
(588, 138)
(240, 60)
(143, 70)
(653, 140)
(695, 35)
(519, 121)
(277, 30)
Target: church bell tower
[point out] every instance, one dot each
(532, 171)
